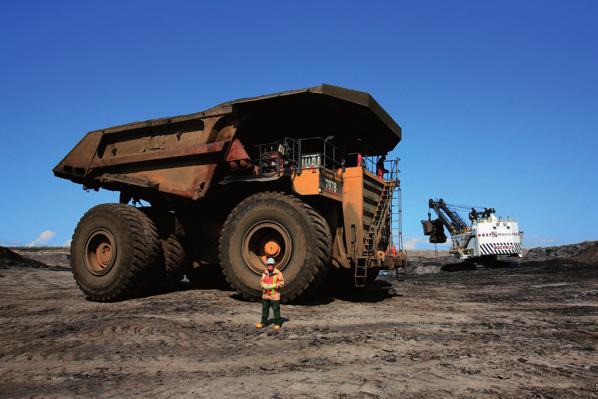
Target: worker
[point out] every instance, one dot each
(271, 283)
(380, 167)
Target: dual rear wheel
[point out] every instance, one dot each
(115, 252)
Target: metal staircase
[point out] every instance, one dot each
(384, 210)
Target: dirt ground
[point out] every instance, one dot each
(516, 332)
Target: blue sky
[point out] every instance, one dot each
(498, 100)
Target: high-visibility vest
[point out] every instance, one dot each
(272, 290)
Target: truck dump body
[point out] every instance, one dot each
(179, 155)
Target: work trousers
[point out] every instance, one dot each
(266, 304)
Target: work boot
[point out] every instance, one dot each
(259, 325)
(276, 327)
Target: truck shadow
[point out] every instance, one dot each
(185, 285)
(378, 291)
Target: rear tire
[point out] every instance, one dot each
(115, 252)
(175, 258)
(303, 234)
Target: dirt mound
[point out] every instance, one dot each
(584, 252)
(51, 256)
(589, 254)
(9, 258)
(430, 262)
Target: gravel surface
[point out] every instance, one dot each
(513, 332)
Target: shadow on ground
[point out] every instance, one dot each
(378, 291)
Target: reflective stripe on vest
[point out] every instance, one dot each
(274, 284)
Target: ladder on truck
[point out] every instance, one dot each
(381, 215)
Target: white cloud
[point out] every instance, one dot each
(67, 243)
(412, 243)
(42, 238)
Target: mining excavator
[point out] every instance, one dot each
(486, 237)
(299, 176)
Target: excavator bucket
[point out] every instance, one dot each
(436, 234)
(428, 227)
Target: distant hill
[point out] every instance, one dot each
(35, 256)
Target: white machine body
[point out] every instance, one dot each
(489, 237)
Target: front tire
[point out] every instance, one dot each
(278, 225)
(115, 252)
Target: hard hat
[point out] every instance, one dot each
(270, 261)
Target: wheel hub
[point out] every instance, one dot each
(267, 239)
(100, 252)
(272, 248)
(104, 254)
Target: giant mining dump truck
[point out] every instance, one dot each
(299, 176)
